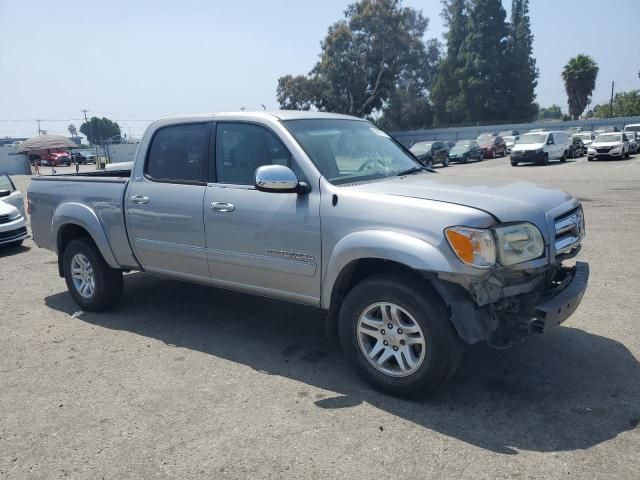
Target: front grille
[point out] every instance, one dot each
(6, 219)
(13, 233)
(569, 231)
(603, 149)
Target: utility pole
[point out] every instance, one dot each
(611, 101)
(38, 120)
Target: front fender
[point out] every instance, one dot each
(85, 217)
(385, 245)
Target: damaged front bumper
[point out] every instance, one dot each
(503, 311)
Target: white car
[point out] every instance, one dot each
(609, 145)
(587, 137)
(510, 141)
(540, 147)
(13, 229)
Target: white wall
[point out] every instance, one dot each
(124, 152)
(13, 164)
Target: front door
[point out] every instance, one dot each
(264, 243)
(164, 207)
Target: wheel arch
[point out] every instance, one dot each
(74, 220)
(363, 254)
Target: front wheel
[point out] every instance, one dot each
(514, 163)
(92, 283)
(445, 162)
(397, 335)
(465, 159)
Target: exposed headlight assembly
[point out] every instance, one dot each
(518, 243)
(507, 244)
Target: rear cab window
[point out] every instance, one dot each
(178, 153)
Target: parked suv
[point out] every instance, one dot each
(540, 147)
(576, 147)
(492, 146)
(431, 153)
(609, 145)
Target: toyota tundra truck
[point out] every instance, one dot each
(324, 210)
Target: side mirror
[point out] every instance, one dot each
(279, 179)
(550, 142)
(4, 193)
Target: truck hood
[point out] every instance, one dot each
(606, 144)
(508, 201)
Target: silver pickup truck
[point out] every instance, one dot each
(325, 210)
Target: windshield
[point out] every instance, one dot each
(509, 139)
(632, 128)
(530, 138)
(6, 183)
(347, 151)
(463, 145)
(609, 137)
(585, 136)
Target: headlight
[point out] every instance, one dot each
(616, 149)
(15, 215)
(474, 246)
(518, 243)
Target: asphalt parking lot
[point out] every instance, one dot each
(186, 381)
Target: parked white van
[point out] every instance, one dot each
(540, 147)
(632, 127)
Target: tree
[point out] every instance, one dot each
(552, 112)
(521, 64)
(362, 59)
(625, 104)
(408, 106)
(579, 76)
(447, 95)
(99, 130)
(483, 77)
(72, 130)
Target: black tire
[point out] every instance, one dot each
(481, 156)
(514, 163)
(627, 154)
(546, 159)
(443, 347)
(430, 163)
(16, 244)
(589, 159)
(563, 158)
(445, 162)
(108, 282)
(465, 159)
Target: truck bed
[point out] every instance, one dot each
(95, 197)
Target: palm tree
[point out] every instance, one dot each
(72, 130)
(579, 77)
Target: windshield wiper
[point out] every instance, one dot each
(414, 169)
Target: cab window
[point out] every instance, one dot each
(243, 147)
(177, 153)
(6, 183)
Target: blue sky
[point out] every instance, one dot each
(137, 61)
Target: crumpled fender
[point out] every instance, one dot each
(385, 245)
(85, 217)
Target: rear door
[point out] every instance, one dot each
(260, 242)
(164, 206)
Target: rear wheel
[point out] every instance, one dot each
(92, 283)
(397, 335)
(514, 163)
(429, 163)
(563, 158)
(445, 162)
(627, 154)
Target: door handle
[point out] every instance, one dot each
(139, 199)
(222, 207)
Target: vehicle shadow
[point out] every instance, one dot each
(11, 250)
(566, 390)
